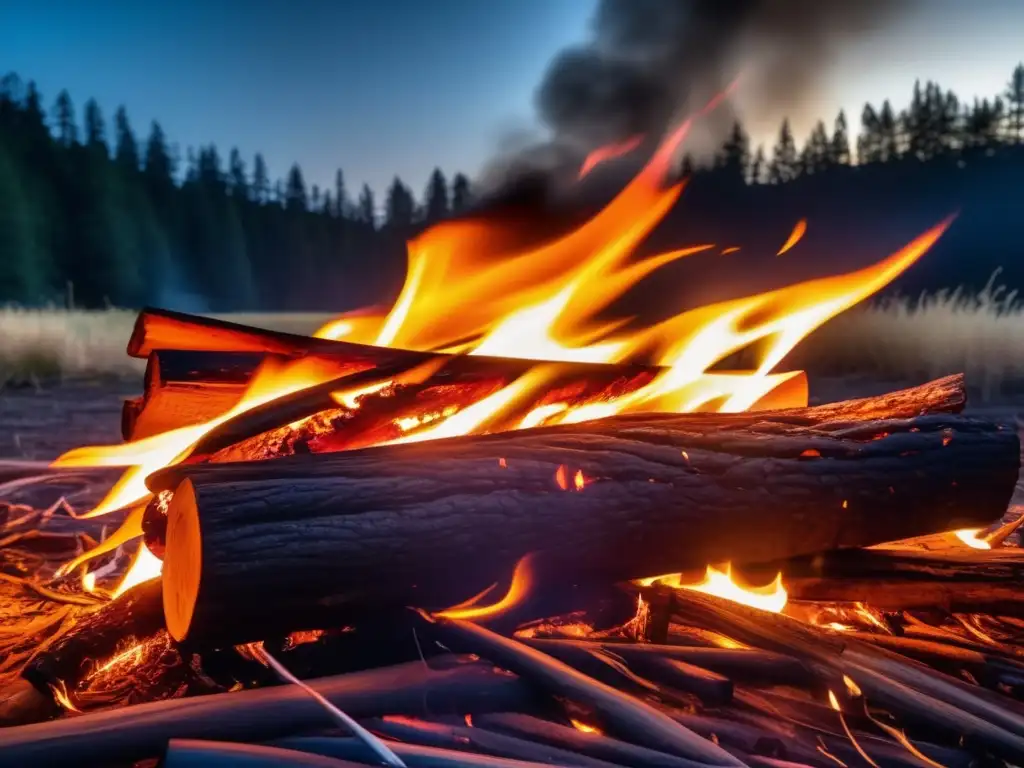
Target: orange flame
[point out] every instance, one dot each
(523, 579)
(542, 302)
(609, 152)
(771, 598)
(794, 237)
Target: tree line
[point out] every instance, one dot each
(92, 217)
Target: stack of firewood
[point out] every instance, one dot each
(281, 523)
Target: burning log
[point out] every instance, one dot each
(142, 731)
(132, 617)
(898, 580)
(165, 329)
(319, 537)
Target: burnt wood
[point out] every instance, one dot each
(318, 538)
(96, 636)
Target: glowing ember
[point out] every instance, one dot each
(969, 536)
(61, 696)
(561, 477)
(795, 237)
(581, 726)
(770, 598)
(128, 658)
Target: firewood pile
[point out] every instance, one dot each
(311, 604)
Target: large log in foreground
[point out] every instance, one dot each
(290, 544)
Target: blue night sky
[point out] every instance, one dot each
(380, 87)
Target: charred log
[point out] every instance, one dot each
(315, 536)
(134, 616)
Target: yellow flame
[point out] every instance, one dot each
(969, 536)
(771, 598)
(144, 567)
(583, 727)
(62, 697)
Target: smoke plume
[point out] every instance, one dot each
(649, 62)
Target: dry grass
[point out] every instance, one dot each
(898, 339)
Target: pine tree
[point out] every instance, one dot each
(401, 206)
(341, 203)
(816, 152)
(1014, 95)
(126, 149)
(840, 149)
(784, 165)
(95, 130)
(367, 207)
(735, 155)
(869, 140)
(23, 264)
(437, 206)
(758, 167)
(295, 192)
(260, 179)
(237, 182)
(64, 120)
(460, 193)
(314, 198)
(889, 145)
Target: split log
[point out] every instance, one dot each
(97, 636)
(297, 543)
(142, 731)
(166, 329)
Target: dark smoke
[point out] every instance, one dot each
(649, 62)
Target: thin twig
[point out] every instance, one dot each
(378, 746)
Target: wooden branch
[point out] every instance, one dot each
(620, 714)
(887, 681)
(957, 580)
(195, 753)
(457, 737)
(316, 536)
(414, 755)
(595, 745)
(592, 659)
(141, 731)
(97, 636)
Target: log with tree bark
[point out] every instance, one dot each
(277, 546)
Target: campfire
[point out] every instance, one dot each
(498, 528)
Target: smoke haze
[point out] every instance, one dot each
(649, 62)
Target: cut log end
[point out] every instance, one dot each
(183, 561)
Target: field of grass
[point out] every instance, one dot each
(894, 340)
